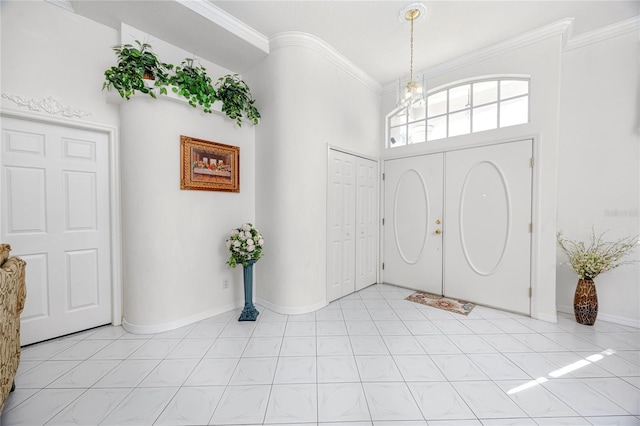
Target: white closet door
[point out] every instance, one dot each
(413, 222)
(55, 215)
(366, 222)
(487, 232)
(341, 222)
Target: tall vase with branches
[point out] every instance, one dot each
(589, 261)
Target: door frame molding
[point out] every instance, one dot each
(537, 202)
(115, 234)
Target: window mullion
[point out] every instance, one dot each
(498, 101)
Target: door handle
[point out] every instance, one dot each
(438, 232)
(438, 221)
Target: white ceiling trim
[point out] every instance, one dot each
(604, 33)
(562, 27)
(221, 18)
(294, 38)
(65, 4)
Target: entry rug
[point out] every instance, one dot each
(451, 305)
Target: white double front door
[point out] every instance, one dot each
(55, 214)
(459, 224)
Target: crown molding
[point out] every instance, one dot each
(562, 27)
(300, 39)
(49, 105)
(230, 23)
(65, 4)
(604, 33)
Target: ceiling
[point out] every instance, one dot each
(368, 33)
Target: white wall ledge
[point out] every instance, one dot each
(113, 97)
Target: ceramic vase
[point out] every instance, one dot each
(585, 302)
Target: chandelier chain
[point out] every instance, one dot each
(411, 65)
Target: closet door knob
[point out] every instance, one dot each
(438, 232)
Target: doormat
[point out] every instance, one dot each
(441, 302)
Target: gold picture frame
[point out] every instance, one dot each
(209, 166)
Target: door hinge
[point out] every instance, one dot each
(383, 221)
(530, 292)
(383, 176)
(531, 228)
(533, 161)
(382, 265)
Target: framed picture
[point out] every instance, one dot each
(209, 166)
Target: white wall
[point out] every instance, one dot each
(307, 104)
(173, 240)
(598, 168)
(538, 55)
(44, 56)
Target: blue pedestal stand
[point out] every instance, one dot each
(249, 313)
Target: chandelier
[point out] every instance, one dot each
(411, 90)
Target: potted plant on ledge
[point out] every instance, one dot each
(192, 82)
(589, 262)
(136, 66)
(236, 99)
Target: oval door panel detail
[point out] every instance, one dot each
(485, 217)
(410, 216)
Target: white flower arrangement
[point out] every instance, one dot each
(600, 256)
(245, 245)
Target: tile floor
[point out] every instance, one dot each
(369, 358)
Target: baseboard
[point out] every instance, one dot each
(548, 318)
(287, 310)
(565, 309)
(615, 319)
(161, 328)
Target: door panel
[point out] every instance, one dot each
(341, 207)
(366, 223)
(487, 234)
(55, 215)
(413, 212)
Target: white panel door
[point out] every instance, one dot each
(413, 222)
(366, 222)
(55, 215)
(487, 233)
(341, 220)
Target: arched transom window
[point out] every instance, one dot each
(461, 109)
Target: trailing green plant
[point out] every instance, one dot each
(138, 64)
(192, 82)
(236, 99)
(135, 65)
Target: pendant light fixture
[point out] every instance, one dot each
(411, 90)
